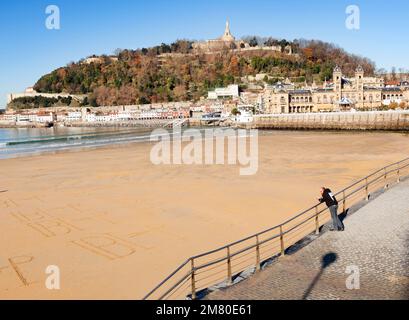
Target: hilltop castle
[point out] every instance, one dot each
(226, 41)
(229, 42)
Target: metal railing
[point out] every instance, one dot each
(222, 266)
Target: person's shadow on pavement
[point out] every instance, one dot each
(326, 261)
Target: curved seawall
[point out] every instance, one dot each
(379, 120)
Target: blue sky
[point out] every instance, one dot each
(29, 50)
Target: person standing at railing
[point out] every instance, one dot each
(332, 203)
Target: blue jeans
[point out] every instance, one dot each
(337, 223)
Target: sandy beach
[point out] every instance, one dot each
(116, 225)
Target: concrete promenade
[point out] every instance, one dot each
(376, 241)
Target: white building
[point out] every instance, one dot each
(124, 116)
(149, 115)
(90, 117)
(8, 117)
(103, 118)
(44, 118)
(27, 117)
(24, 118)
(245, 115)
(74, 116)
(232, 91)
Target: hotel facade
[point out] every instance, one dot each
(342, 94)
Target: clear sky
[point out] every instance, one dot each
(29, 50)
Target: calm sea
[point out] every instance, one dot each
(20, 142)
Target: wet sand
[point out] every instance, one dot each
(116, 225)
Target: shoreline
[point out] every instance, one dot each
(127, 144)
(78, 149)
(26, 126)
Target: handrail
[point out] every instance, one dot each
(369, 180)
(167, 278)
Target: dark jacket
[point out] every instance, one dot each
(329, 198)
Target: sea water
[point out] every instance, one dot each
(28, 141)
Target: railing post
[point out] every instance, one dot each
(229, 272)
(317, 223)
(258, 267)
(193, 281)
(398, 173)
(282, 241)
(366, 190)
(385, 178)
(343, 202)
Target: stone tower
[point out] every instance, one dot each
(337, 79)
(359, 78)
(359, 86)
(227, 36)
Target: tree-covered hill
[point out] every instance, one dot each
(175, 72)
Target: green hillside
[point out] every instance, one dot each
(175, 72)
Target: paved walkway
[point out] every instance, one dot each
(376, 241)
